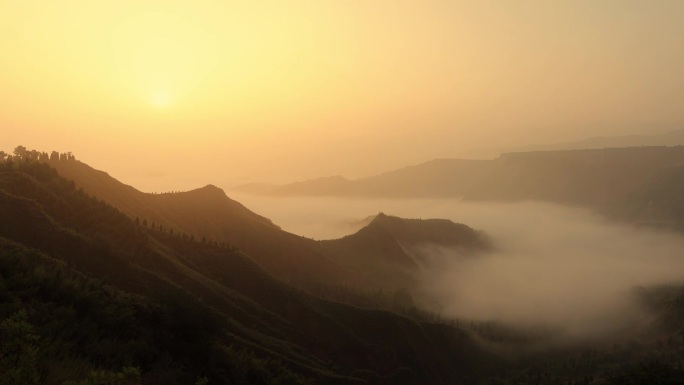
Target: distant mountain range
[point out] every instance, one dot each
(436, 178)
(671, 138)
(619, 182)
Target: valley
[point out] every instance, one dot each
(465, 299)
(341, 192)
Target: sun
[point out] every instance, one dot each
(161, 99)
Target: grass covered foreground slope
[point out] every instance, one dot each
(85, 291)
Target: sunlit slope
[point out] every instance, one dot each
(318, 340)
(207, 213)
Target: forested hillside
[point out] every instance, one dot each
(207, 213)
(91, 295)
(87, 290)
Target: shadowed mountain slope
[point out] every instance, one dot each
(440, 232)
(208, 213)
(58, 233)
(389, 248)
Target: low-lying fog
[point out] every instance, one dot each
(552, 265)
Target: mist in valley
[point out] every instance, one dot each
(552, 266)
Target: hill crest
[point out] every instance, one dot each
(391, 248)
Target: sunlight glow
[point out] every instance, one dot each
(161, 99)
(310, 82)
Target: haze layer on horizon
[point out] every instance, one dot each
(173, 95)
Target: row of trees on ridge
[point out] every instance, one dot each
(21, 153)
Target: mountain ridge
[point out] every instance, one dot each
(606, 180)
(390, 247)
(669, 138)
(220, 304)
(207, 213)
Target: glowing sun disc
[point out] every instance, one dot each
(161, 100)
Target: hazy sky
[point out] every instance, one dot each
(169, 94)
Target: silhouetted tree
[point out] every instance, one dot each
(19, 351)
(54, 156)
(403, 298)
(128, 376)
(20, 152)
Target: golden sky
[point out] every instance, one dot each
(169, 95)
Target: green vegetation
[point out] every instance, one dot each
(58, 326)
(632, 364)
